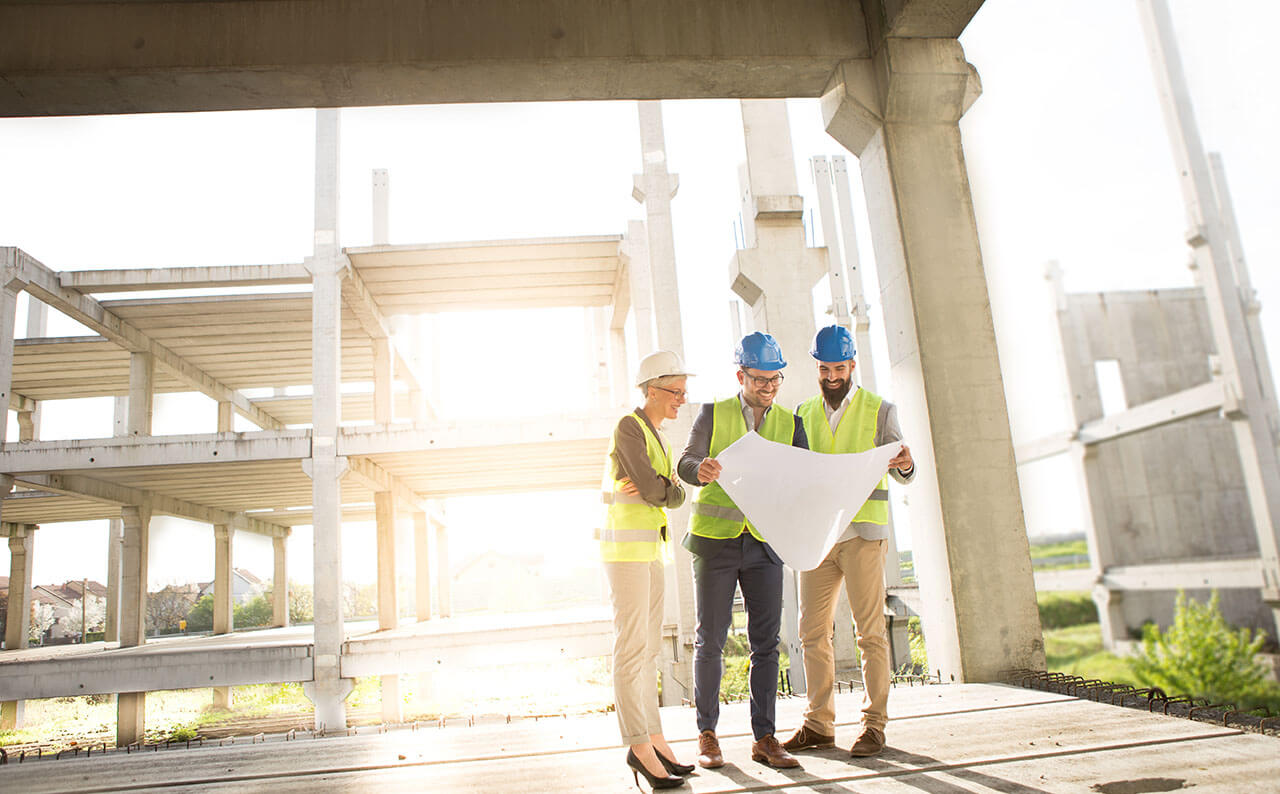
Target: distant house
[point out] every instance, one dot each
(59, 611)
(245, 586)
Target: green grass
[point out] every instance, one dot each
(1059, 549)
(1064, 608)
(1077, 650)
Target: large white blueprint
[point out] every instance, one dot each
(800, 500)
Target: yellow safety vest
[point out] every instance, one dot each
(856, 432)
(632, 530)
(714, 513)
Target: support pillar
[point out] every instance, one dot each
(17, 623)
(900, 114)
(115, 539)
(421, 567)
(384, 503)
(383, 382)
(223, 603)
(142, 370)
(655, 188)
(37, 323)
(131, 707)
(776, 278)
(9, 290)
(226, 416)
(618, 367)
(636, 248)
(381, 206)
(444, 600)
(327, 266)
(280, 581)
(1251, 404)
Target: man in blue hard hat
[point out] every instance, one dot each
(844, 418)
(728, 552)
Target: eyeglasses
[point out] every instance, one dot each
(679, 393)
(761, 383)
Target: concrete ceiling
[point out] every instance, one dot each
(143, 56)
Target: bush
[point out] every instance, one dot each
(1060, 610)
(1204, 656)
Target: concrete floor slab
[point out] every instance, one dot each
(953, 738)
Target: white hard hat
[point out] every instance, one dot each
(655, 365)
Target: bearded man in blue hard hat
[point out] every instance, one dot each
(844, 418)
(729, 553)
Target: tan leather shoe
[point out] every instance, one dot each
(709, 756)
(768, 751)
(808, 739)
(871, 742)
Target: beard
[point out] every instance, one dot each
(835, 395)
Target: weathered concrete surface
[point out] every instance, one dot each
(946, 739)
(97, 57)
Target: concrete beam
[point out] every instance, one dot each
(155, 668)
(1188, 575)
(355, 441)
(378, 479)
(45, 285)
(104, 453)
(360, 301)
(166, 55)
(115, 493)
(165, 278)
(918, 18)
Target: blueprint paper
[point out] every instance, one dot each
(799, 500)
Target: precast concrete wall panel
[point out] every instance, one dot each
(1167, 494)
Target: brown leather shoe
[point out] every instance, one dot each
(808, 739)
(709, 756)
(871, 742)
(768, 751)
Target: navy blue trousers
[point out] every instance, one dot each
(717, 570)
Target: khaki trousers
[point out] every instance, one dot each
(859, 565)
(636, 591)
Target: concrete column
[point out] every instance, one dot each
(620, 385)
(223, 603)
(381, 206)
(680, 617)
(384, 503)
(142, 369)
(115, 544)
(131, 707)
(37, 325)
(115, 539)
(1101, 549)
(655, 188)
(421, 567)
(327, 266)
(901, 116)
(776, 277)
(383, 382)
(226, 416)
(444, 601)
(280, 581)
(8, 309)
(636, 248)
(1251, 403)
(18, 615)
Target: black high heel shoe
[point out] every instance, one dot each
(673, 767)
(637, 769)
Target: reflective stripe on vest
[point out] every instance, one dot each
(632, 530)
(856, 432)
(714, 513)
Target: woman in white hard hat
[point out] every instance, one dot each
(638, 484)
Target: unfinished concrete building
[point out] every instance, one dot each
(893, 83)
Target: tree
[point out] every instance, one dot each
(256, 612)
(1204, 656)
(167, 607)
(200, 618)
(95, 613)
(302, 607)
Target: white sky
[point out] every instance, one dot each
(1068, 159)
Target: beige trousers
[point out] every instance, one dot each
(859, 565)
(636, 590)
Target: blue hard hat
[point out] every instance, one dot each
(833, 343)
(759, 351)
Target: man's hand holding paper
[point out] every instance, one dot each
(799, 500)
